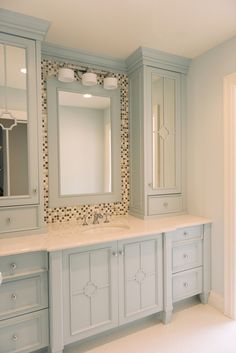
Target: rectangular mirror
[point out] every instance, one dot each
(84, 125)
(13, 122)
(84, 144)
(164, 132)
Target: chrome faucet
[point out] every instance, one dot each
(96, 216)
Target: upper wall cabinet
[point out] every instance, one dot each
(157, 107)
(20, 123)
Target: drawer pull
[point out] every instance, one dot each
(120, 252)
(13, 296)
(8, 220)
(185, 256)
(185, 284)
(14, 337)
(165, 204)
(13, 266)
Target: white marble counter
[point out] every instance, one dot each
(61, 236)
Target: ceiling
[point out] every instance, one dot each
(117, 27)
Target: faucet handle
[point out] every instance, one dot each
(84, 218)
(106, 218)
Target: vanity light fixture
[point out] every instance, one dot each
(66, 75)
(110, 82)
(89, 79)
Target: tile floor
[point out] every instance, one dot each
(196, 328)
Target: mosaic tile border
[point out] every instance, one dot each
(63, 214)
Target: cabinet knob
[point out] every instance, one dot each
(185, 284)
(13, 296)
(1, 278)
(114, 253)
(13, 266)
(14, 337)
(35, 191)
(165, 204)
(120, 252)
(185, 234)
(8, 220)
(185, 256)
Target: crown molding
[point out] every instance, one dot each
(156, 58)
(23, 25)
(55, 51)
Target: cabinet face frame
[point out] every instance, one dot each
(177, 189)
(32, 131)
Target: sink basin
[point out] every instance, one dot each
(105, 229)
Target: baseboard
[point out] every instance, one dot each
(217, 301)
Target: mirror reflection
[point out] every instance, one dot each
(164, 131)
(13, 121)
(84, 123)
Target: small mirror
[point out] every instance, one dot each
(84, 144)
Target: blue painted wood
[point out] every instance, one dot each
(156, 58)
(61, 53)
(55, 198)
(23, 25)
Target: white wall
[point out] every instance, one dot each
(205, 164)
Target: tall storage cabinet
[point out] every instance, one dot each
(20, 122)
(157, 113)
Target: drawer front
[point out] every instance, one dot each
(25, 333)
(187, 256)
(23, 296)
(195, 232)
(22, 264)
(18, 219)
(187, 284)
(164, 204)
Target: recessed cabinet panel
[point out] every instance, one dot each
(24, 334)
(23, 295)
(90, 291)
(140, 280)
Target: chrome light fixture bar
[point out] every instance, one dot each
(88, 78)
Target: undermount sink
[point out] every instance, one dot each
(105, 229)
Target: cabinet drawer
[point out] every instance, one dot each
(164, 204)
(25, 333)
(187, 256)
(18, 219)
(187, 284)
(195, 232)
(23, 295)
(22, 264)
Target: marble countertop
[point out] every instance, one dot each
(59, 236)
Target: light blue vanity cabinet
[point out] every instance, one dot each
(99, 287)
(20, 122)
(90, 291)
(140, 278)
(24, 303)
(187, 265)
(157, 118)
